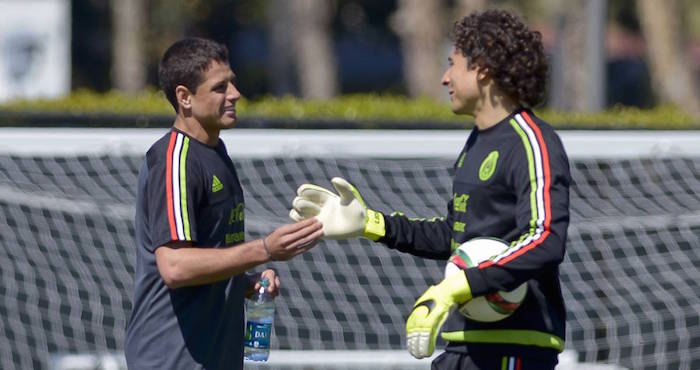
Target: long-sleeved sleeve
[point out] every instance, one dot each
(432, 238)
(428, 238)
(538, 173)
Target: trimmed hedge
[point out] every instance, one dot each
(359, 110)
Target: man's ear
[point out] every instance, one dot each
(482, 74)
(184, 97)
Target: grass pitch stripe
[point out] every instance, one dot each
(540, 180)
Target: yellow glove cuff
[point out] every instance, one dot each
(375, 228)
(457, 287)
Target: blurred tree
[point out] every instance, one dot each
(280, 58)
(91, 45)
(312, 47)
(578, 62)
(465, 7)
(672, 77)
(422, 29)
(128, 58)
(368, 51)
(167, 21)
(172, 20)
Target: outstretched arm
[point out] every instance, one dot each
(345, 215)
(183, 265)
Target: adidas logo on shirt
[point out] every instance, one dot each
(216, 184)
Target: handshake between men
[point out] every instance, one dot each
(345, 215)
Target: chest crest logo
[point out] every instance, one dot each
(488, 166)
(216, 184)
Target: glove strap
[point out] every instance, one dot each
(375, 228)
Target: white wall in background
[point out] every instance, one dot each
(34, 48)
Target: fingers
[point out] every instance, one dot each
(418, 344)
(345, 189)
(305, 208)
(314, 193)
(290, 228)
(274, 281)
(290, 240)
(303, 238)
(301, 249)
(418, 337)
(308, 202)
(416, 314)
(311, 244)
(294, 234)
(289, 252)
(294, 215)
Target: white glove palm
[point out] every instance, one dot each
(344, 215)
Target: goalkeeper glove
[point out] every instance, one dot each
(431, 311)
(344, 215)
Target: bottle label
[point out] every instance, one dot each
(257, 335)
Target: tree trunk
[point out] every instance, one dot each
(314, 56)
(672, 78)
(578, 65)
(128, 60)
(280, 64)
(422, 29)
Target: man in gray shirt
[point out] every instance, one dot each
(191, 256)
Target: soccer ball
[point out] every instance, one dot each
(493, 306)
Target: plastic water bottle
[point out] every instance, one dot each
(260, 313)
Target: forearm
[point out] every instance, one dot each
(188, 266)
(522, 262)
(428, 238)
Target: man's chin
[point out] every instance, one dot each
(227, 123)
(460, 111)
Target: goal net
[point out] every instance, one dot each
(630, 278)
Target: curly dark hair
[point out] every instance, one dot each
(512, 54)
(185, 62)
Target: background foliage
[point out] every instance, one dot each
(367, 110)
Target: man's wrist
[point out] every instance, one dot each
(458, 287)
(267, 250)
(375, 227)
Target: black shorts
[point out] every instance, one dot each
(490, 361)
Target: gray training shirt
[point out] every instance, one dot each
(187, 191)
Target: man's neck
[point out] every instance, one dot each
(488, 118)
(194, 129)
(493, 109)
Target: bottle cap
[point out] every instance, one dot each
(264, 282)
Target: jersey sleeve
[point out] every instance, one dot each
(172, 192)
(538, 173)
(427, 238)
(424, 237)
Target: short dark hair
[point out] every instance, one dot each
(512, 54)
(185, 62)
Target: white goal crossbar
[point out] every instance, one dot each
(265, 143)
